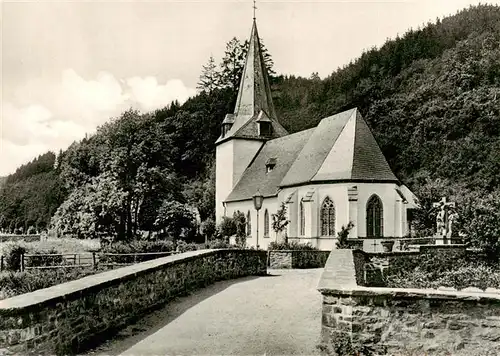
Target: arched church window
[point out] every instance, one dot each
(249, 224)
(374, 217)
(327, 218)
(266, 224)
(302, 219)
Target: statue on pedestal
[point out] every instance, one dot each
(451, 228)
(444, 226)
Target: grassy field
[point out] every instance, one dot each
(62, 245)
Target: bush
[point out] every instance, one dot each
(136, 246)
(343, 234)
(227, 227)
(208, 228)
(183, 246)
(15, 283)
(291, 246)
(434, 271)
(12, 256)
(219, 243)
(479, 276)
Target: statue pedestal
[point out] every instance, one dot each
(440, 239)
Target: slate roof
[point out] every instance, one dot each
(340, 148)
(284, 150)
(316, 149)
(250, 128)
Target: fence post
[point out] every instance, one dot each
(22, 262)
(93, 260)
(1, 263)
(74, 259)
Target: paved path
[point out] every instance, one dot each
(273, 315)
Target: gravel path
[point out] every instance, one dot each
(278, 314)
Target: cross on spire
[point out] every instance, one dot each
(254, 8)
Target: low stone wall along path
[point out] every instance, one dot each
(279, 314)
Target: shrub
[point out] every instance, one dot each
(479, 276)
(280, 220)
(434, 271)
(183, 246)
(208, 228)
(343, 234)
(220, 243)
(227, 227)
(15, 283)
(12, 256)
(291, 246)
(136, 246)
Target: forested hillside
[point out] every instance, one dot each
(431, 97)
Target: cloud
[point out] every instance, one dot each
(53, 115)
(151, 96)
(89, 102)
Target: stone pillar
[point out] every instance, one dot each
(352, 194)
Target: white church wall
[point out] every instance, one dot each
(223, 176)
(394, 211)
(271, 204)
(232, 158)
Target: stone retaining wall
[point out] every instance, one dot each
(358, 319)
(297, 259)
(372, 267)
(67, 318)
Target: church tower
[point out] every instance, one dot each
(246, 130)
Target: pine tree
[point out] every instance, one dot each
(232, 64)
(209, 78)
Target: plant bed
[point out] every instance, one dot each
(434, 270)
(16, 283)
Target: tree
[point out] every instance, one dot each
(209, 77)
(232, 64)
(315, 76)
(227, 227)
(91, 210)
(280, 221)
(240, 223)
(175, 220)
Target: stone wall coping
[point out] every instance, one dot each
(432, 247)
(297, 251)
(339, 270)
(73, 289)
(409, 293)
(392, 253)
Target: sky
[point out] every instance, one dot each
(69, 66)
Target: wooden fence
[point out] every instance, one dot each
(89, 259)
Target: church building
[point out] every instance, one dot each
(327, 176)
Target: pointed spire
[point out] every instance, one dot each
(254, 94)
(254, 112)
